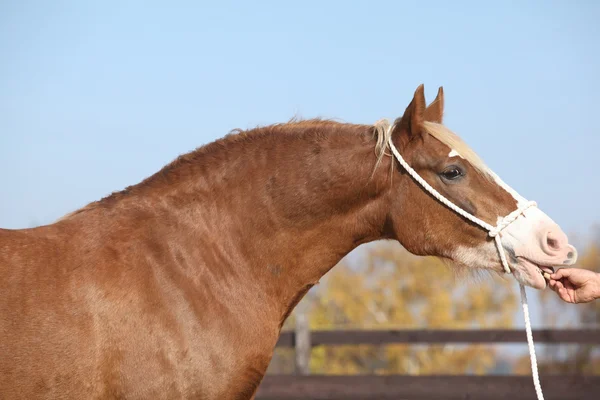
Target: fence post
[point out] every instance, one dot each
(302, 340)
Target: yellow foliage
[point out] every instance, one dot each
(395, 290)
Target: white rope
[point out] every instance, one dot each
(494, 232)
(534, 368)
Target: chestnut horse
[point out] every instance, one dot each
(177, 287)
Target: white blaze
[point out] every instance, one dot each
(454, 153)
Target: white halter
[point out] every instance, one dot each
(494, 232)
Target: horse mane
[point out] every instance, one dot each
(211, 152)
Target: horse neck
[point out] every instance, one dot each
(297, 203)
(274, 210)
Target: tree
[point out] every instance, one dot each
(394, 289)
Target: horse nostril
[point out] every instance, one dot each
(570, 255)
(552, 243)
(555, 243)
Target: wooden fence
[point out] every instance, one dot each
(399, 387)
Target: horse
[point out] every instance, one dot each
(178, 286)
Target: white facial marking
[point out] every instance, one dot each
(454, 153)
(525, 235)
(519, 199)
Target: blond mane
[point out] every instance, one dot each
(382, 137)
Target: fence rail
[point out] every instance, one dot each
(427, 336)
(399, 387)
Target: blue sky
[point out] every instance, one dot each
(95, 96)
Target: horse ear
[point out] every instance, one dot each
(435, 111)
(411, 123)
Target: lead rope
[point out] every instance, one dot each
(494, 232)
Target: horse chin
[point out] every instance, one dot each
(531, 274)
(485, 258)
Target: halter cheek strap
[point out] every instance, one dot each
(494, 232)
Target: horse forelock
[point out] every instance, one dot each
(457, 145)
(438, 131)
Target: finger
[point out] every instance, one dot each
(561, 273)
(563, 294)
(554, 286)
(559, 285)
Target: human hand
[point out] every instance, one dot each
(576, 285)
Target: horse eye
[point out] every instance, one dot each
(452, 173)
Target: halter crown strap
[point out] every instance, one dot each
(494, 232)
